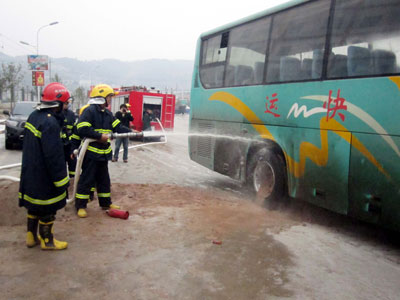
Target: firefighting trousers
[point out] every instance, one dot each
(94, 173)
(44, 217)
(70, 162)
(71, 167)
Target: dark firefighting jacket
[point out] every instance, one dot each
(75, 139)
(69, 121)
(44, 178)
(94, 122)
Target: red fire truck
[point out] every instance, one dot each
(141, 99)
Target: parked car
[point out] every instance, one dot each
(15, 124)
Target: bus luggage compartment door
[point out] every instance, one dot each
(374, 184)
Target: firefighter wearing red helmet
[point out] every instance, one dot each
(96, 122)
(44, 180)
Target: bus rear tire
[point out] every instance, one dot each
(266, 174)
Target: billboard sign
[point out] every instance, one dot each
(38, 62)
(38, 78)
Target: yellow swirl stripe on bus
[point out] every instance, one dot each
(244, 110)
(307, 150)
(396, 80)
(320, 155)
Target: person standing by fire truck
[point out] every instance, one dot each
(124, 115)
(96, 122)
(44, 180)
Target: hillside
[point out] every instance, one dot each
(160, 73)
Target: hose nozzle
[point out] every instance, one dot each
(125, 135)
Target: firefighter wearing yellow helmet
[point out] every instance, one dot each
(97, 122)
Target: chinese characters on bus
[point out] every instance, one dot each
(270, 105)
(338, 104)
(332, 107)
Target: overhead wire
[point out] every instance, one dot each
(16, 43)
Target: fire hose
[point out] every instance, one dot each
(80, 153)
(6, 177)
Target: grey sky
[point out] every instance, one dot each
(119, 29)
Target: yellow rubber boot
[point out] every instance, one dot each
(82, 213)
(114, 206)
(31, 235)
(46, 237)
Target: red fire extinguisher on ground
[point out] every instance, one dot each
(116, 213)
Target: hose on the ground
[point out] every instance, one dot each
(12, 178)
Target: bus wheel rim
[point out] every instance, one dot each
(264, 179)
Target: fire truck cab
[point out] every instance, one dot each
(140, 100)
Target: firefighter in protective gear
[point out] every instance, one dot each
(44, 179)
(76, 141)
(97, 122)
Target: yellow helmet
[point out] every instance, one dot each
(102, 90)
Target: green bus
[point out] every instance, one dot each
(303, 100)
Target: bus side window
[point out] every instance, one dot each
(219, 77)
(289, 69)
(359, 62)
(247, 48)
(316, 68)
(273, 71)
(367, 32)
(384, 62)
(337, 66)
(229, 75)
(243, 75)
(259, 72)
(306, 67)
(213, 59)
(295, 34)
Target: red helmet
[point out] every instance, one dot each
(53, 93)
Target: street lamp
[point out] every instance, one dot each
(37, 35)
(25, 43)
(37, 48)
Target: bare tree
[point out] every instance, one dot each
(79, 97)
(11, 77)
(2, 86)
(56, 78)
